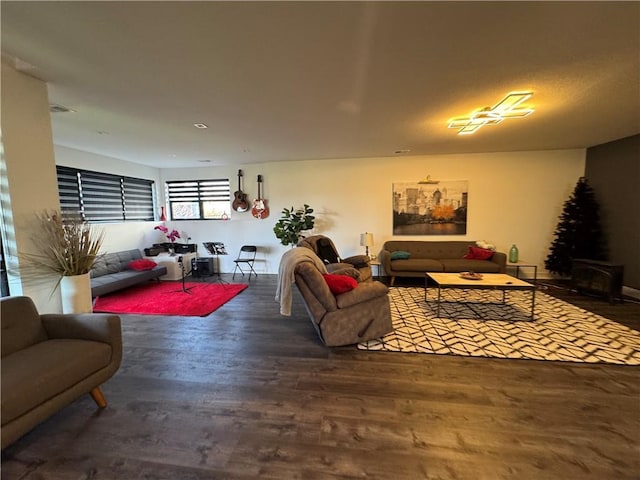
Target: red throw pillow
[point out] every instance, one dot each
(340, 283)
(142, 264)
(477, 253)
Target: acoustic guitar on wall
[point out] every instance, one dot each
(240, 203)
(260, 209)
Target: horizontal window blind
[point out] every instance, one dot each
(102, 197)
(199, 199)
(138, 199)
(69, 191)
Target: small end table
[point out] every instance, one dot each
(521, 264)
(375, 273)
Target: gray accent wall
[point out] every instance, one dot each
(613, 170)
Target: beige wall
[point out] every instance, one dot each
(513, 198)
(28, 179)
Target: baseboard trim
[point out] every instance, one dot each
(631, 292)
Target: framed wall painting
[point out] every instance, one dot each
(430, 207)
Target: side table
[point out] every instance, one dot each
(375, 273)
(518, 265)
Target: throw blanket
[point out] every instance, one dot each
(286, 277)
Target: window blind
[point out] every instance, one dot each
(199, 199)
(103, 197)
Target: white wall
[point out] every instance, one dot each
(118, 236)
(514, 197)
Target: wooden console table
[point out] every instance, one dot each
(597, 277)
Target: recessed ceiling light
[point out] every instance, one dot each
(204, 161)
(200, 125)
(505, 108)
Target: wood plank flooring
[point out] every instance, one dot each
(245, 393)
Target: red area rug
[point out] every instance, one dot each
(167, 298)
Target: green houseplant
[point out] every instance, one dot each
(69, 247)
(292, 223)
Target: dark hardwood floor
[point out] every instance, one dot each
(245, 393)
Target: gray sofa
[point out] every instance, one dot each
(111, 272)
(50, 360)
(436, 256)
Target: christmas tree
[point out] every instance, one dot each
(579, 233)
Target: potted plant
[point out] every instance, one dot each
(172, 236)
(292, 222)
(67, 247)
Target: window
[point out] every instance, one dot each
(199, 199)
(102, 197)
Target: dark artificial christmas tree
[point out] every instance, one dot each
(579, 233)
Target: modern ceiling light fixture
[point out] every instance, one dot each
(200, 125)
(505, 108)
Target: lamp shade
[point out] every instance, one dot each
(366, 239)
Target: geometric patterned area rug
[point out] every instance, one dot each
(473, 323)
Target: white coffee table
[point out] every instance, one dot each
(489, 281)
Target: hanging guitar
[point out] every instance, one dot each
(260, 209)
(240, 203)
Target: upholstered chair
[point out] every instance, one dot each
(358, 315)
(325, 249)
(50, 360)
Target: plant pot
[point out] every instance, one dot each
(76, 294)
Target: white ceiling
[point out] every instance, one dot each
(312, 80)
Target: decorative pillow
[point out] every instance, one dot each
(400, 255)
(339, 283)
(477, 253)
(142, 264)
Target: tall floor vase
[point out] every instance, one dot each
(76, 294)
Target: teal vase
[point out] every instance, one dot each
(513, 254)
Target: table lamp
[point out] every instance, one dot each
(366, 240)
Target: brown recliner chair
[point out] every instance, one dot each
(355, 316)
(326, 250)
(50, 360)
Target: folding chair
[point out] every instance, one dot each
(246, 256)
